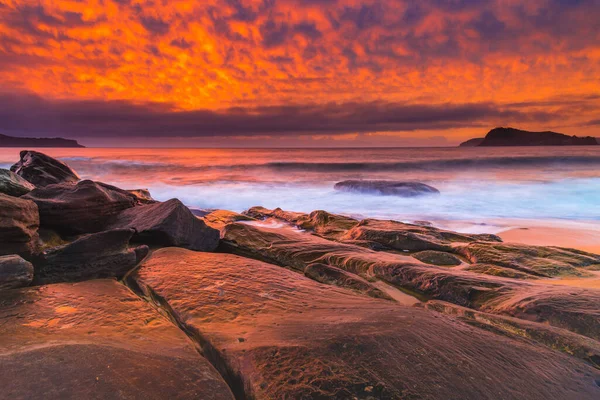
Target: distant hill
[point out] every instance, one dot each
(10, 141)
(517, 137)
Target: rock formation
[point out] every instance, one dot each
(42, 170)
(13, 185)
(14, 272)
(12, 141)
(517, 137)
(19, 223)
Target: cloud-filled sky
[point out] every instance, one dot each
(297, 71)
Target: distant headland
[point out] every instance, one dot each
(11, 141)
(517, 137)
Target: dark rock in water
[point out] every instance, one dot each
(98, 255)
(13, 185)
(12, 141)
(279, 335)
(517, 137)
(97, 340)
(143, 196)
(81, 208)
(437, 258)
(14, 272)
(167, 224)
(472, 142)
(19, 223)
(386, 188)
(42, 170)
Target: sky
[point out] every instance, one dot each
(297, 72)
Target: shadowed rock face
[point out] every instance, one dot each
(98, 255)
(42, 170)
(14, 272)
(278, 334)
(437, 258)
(167, 224)
(97, 340)
(386, 188)
(81, 208)
(13, 185)
(338, 277)
(19, 223)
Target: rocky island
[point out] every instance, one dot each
(12, 141)
(108, 293)
(517, 137)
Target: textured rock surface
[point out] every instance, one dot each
(219, 218)
(386, 188)
(278, 334)
(13, 185)
(81, 208)
(167, 224)
(437, 258)
(143, 196)
(97, 255)
(42, 170)
(96, 340)
(338, 277)
(19, 223)
(14, 272)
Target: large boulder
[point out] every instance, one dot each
(79, 208)
(14, 272)
(42, 170)
(97, 340)
(97, 255)
(19, 223)
(13, 185)
(167, 224)
(386, 188)
(277, 334)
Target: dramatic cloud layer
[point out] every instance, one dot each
(268, 67)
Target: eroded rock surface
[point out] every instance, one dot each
(437, 258)
(13, 185)
(96, 340)
(219, 218)
(14, 272)
(19, 224)
(97, 255)
(278, 334)
(167, 224)
(42, 170)
(79, 208)
(386, 188)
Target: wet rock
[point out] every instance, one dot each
(14, 272)
(167, 224)
(386, 188)
(13, 185)
(219, 218)
(98, 255)
(277, 334)
(79, 208)
(437, 258)
(97, 340)
(338, 277)
(42, 170)
(533, 260)
(263, 213)
(407, 237)
(19, 223)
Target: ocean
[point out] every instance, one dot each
(480, 187)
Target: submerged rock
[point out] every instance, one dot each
(277, 334)
(19, 223)
(42, 170)
(97, 340)
(13, 185)
(84, 207)
(167, 224)
(98, 255)
(14, 272)
(386, 188)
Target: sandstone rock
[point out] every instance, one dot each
(338, 277)
(97, 340)
(98, 255)
(496, 270)
(19, 223)
(534, 260)
(277, 334)
(79, 208)
(142, 196)
(42, 170)
(219, 218)
(386, 188)
(13, 185)
(437, 258)
(167, 224)
(14, 272)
